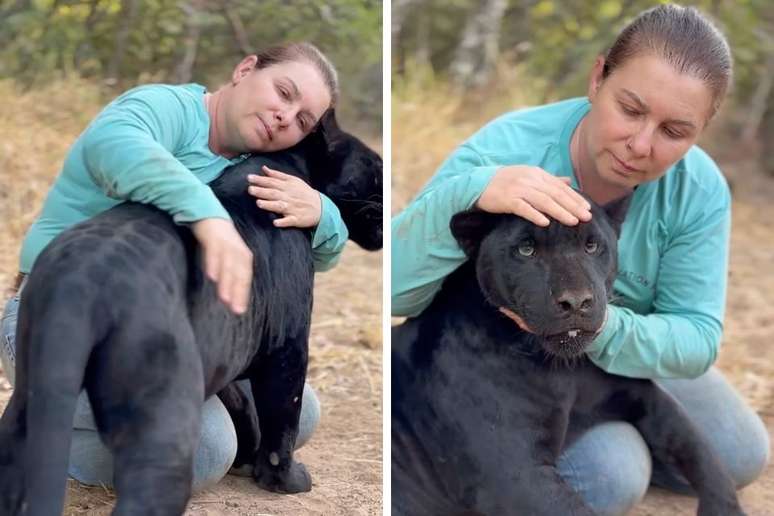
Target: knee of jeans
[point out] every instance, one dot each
(751, 452)
(8, 359)
(91, 462)
(609, 466)
(310, 416)
(217, 446)
(8, 339)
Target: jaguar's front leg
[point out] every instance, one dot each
(278, 384)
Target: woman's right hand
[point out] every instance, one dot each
(533, 193)
(227, 261)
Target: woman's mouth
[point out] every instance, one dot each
(623, 167)
(266, 129)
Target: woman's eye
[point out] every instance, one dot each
(672, 134)
(591, 247)
(284, 93)
(527, 248)
(629, 111)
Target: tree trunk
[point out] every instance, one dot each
(400, 9)
(422, 50)
(17, 7)
(85, 47)
(762, 93)
(398, 13)
(128, 12)
(5, 13)
(237, 27)
(184, 69)
(759, 103)
(478, 49)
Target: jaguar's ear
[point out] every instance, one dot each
(616, 212)
(470, 227)
(329, 129)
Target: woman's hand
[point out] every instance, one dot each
(533, 193)
(297, 202)
(227, 261)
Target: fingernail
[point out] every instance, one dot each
(250, 176)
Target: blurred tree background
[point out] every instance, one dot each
(481, 51)
(121, 43)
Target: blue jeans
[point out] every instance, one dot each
(611, 467)
(92, 463)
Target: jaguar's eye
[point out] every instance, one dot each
(527, 248)
(591, 247)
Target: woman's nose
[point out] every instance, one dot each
(640, 142)
(285, 116)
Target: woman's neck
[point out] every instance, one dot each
(212, 103)
(589, 181)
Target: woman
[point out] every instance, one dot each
(649, 99)
(161, 145)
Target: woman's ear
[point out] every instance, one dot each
(243, 69)
(595, 77)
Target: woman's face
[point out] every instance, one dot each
(275, 107)
(644, 117)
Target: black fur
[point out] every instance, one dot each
(118, 305)
(481, 410)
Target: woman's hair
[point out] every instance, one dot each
(685, 39)
(302, 52)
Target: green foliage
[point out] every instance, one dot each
(42, 39)
(558, 41)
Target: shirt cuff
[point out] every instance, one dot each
(331, 225)
(201, 205)
(600, 343)
(480, 179)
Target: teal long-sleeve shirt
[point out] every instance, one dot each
(667, 319)
(150, 145)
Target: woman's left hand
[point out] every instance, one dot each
(297, 202)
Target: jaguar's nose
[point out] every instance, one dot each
(575, 301)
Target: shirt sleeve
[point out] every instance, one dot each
(424, 251)
(681, 337)
(329, 237)
(129, 152)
